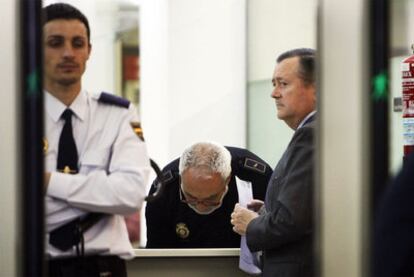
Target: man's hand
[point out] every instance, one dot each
(255, 205)
(240, 218)
(46, 181)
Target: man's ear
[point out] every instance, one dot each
(312, 89)
(314, 92)
(228, 180)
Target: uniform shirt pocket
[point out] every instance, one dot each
(95, 160)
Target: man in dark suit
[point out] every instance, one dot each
(282, 227)
(200, 191)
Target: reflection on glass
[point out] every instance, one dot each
(196, 77)
(402, 19)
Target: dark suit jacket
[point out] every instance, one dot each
(284, 229)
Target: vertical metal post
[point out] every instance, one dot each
(379, 49)
(379, 103)
(31, 101)
(343, 138)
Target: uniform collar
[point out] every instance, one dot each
(55, 108)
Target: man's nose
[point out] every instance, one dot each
(275, 93)
(68, 51)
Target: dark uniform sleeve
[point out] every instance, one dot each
(249, 167)
(158, 213)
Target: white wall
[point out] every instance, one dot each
(193, 74)
(274, 26)
(8, 147)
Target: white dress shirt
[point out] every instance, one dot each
(306, 119)
(113, 172)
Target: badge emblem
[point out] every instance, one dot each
(181, 230)
(45, 145)
(136, 126)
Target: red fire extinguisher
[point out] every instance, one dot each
(407, 70)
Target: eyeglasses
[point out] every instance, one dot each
(206, 202)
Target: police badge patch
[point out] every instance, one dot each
(254, 165)
(181, 230)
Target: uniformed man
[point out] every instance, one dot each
(96, 167)
(201, 189)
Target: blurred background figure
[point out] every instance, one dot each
(393, 234)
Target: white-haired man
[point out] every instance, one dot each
(200, 192)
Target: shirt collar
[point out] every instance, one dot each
(305, 120)
(55, 108)
(79, 105)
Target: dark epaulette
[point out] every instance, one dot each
(168, 177)
(254, 165)
(112, 99)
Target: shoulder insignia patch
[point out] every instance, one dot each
(254, 165)
(112, 99)
(136, 126)
(168, 176)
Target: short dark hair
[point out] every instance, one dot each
(65, 11)
(307, 62)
